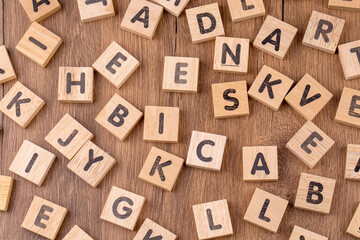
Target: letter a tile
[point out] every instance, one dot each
(151, 230)
(38, 10)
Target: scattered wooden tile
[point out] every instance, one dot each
(310, 144)
(114, 70)
(39, 10)
(275, 37)
(77, 233)
(91, 164)
(352, 166)
(260, 163)
(131, 205)
(231, 55)
(212, 219)
(353, 5)
(32, 162)
(68, 136)
(21, 105)
(161, 169)
(354, 226)
(270, 87)
(142, 17)
(91, 10)
(161, 124)
(39, 44)
(119, 117)
(44, 218)
(152, 230)
(181, 74)
(205, 22)
(76, 84)
(246, 9)
(347, 112)
(315, 193)
(230, 99)
(6, 184)
(308, 97)
(303, 234)
(206, 151)
(349, 54)
(266, 210)
(7, 72)
(175, 7)
(323, 32)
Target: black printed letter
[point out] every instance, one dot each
(114, 61)
(256, 166)
(37, 4)
(201, 23)
(81, 83)
(116, 114)
(322, 31)
(227, 50)
(199, 148)
(159, 167)
(138, 17)
(16, 101)
(211, 221)
(310, 140)
(92, 160)
(230, 99)
(41, 215)
(263, 211)
(127, 210)
(353, 106)
(267, 84)
(317, 193)
(276, 43)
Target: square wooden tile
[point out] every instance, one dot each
(212, 219)
(161, 169)
(91, 164)
(310, 144)
(151, 230)
(44, 218)
(348, 111)
(266, 210)
(32, 162)
(270, 87)
(68, 136)
(299, 232)
(6, 184)
(353, 5)
(7, 72)
(349, 54)
(175, 7)
(230, 99)
(231, 55)
(21, 104)
(39, 10)
(39, 44)
(308, 97)
(116, 64)
(206, 150)
(205, 22)
(275, 37)
(323, 32)
(352, 166)
(244, 10)
(91, 10)
(122, 208)
(161, 124)
(77, 233)
(142, 17)
(260, 163)
(354, 226)
(181, 74)
(119, 117)
(315, 193)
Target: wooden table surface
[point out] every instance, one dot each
(83, 44)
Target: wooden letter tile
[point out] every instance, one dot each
(260, 163)
(91, 163)
(44, 218)
(39, 44)
(32, 162)
(302, 234)
(122, 208)
(354, 227)
(39, 10)
(206, 150)
(6, 184)
(230, 99)
(77, 233)
(353, 5)
(119, 117)
(212, 219)
(205, 22)
(68, 136)
(348, 111)
(315, 193)
(142, 17)
(275, 37)
(310, 144)
(323, 32)
(21, 105)
(161, 124)
(76, 84)
(266, 210)
(152, 230)
(308, 97)
(241, 10)
(231, 55)
(352, 166)
(116, 64)
(95, 10)
(7, 72)
(175, 7)
(181, 74)
(161, 169)
(349, 54)
(270, 87)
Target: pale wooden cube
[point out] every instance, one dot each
(348, 110)
(151, 230)
(7, 72)
(244, 10)
(6, 185)
(95, 10)
(39, 10)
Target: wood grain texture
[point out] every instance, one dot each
(84, 43)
